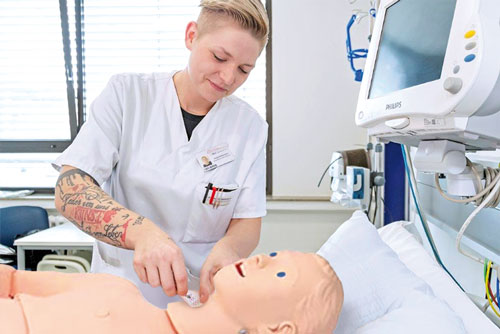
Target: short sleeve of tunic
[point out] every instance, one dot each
(95, 149)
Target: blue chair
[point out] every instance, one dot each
(18, 220)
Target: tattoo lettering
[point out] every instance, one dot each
(113, 233)
(84, 193)
(70, 175)
(138, 221)
(73, 202)
(91, 209)
(92, 216)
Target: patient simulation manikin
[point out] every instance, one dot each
(284, 292)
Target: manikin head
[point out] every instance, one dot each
(283, 292)
(225, 43)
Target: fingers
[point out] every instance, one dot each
(204, 285)
(206, 282)
(214, 271)
(167, 279)
(147, 273)
(153, 277)
(180, 275)
(141, 272)
(158, 261)
(172, 281)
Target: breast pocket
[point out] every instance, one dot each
(211, 212)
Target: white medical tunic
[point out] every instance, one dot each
(135, 145)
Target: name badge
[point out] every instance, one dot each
(215, 157)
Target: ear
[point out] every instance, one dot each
(191, 34)
(286, 327)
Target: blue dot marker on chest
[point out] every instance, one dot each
(273, 254)
(281, 274)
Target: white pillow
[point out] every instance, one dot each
(419, 313)
(375, 281)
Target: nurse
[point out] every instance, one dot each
(168, 172)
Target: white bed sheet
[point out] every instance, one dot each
(415, 257)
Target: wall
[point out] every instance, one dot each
(299, 226)
(314, 92)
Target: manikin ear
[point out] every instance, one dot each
(191, 34)
(286, 327)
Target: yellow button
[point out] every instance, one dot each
(470, 33)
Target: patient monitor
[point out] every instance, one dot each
(433, 74)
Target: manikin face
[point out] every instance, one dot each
(266, 288)
(221, 59)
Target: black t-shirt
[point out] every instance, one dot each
(190, 122)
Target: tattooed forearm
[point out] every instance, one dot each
(69, 176)
(82, 194)
(138, 221)
(114, 233)
(91, 216)
(80, 199)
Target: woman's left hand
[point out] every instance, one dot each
(221, 255)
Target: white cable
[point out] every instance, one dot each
(492, 176)
(487, 196)
(469, 220)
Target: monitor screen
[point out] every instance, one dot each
(412, 45)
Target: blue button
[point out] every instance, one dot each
(470, 58)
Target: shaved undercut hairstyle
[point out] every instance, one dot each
(250, 15)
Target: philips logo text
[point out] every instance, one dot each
(392, 106)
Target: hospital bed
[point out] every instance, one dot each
(392, 285)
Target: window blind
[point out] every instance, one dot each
(118, 36)
(33, 92)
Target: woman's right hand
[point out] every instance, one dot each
(159, 261)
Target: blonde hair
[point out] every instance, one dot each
(318, 312)
(248, 14)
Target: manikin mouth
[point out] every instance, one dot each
(240, 269)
